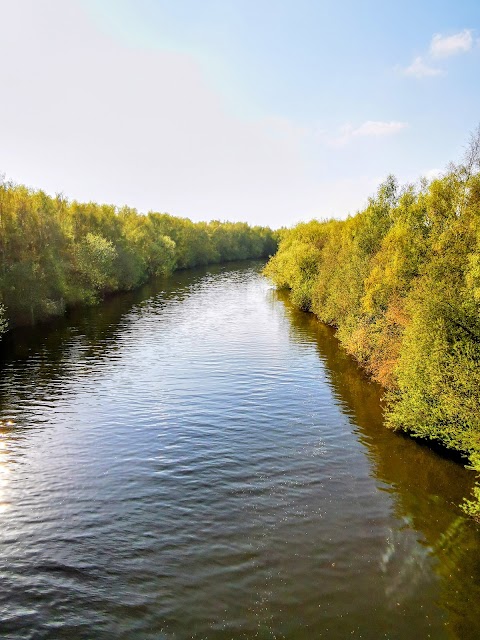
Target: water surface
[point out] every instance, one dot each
(199, 460)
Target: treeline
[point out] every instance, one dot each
(55, 253)
(400, 281)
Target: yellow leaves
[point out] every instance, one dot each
(401, 282)
(472, 277)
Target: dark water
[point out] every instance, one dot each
(199, 460)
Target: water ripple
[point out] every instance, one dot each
(185, 462)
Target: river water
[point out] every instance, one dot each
(197, 459)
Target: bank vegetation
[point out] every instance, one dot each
(56, 253)
(400, 281)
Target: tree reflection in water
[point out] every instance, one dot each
(426, 486)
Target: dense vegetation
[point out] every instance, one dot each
(401, 282)
(55, 253)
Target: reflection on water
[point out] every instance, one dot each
(198, 459)
(426, 489)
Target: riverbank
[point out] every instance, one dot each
(57, 254)
(400, 282)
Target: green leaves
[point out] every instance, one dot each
(54, 253)
(401, 282)
(95, 259)
(3, 320)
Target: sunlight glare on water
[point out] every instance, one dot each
(197, 459)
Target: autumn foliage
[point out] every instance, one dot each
(401, 283)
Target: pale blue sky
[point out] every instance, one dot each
(266, 111)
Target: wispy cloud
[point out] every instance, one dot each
(378, 128)
(421, 69)
(440, 47)
(446, 46)
(369, 129)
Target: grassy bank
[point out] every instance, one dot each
(400, 281)
(55, 253)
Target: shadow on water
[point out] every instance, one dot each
(101, 324)
(40, 359)
(427, 486)
(424, 488)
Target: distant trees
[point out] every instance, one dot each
(55, 253)
(401, 282)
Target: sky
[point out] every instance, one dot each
(267, 111)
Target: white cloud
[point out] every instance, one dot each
(440, 47)
(369, 129)
(420, 69)
(379, 128)
(446, 46)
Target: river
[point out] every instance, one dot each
(198, 459)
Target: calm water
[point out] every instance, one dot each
(200, 460)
